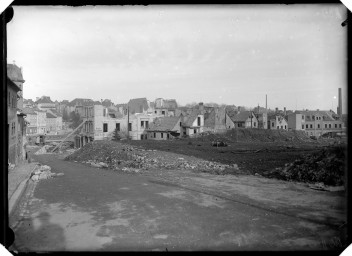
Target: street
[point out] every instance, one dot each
(90, 209)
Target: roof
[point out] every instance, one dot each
(44, 99)
(327, 115)
(64, 102)
(189, 119)
(13, 85)
(81, 102)
(239, 117)
(164, 123)
(168, 104)
(14, 73)
(138, 105)
(49, 115)
(30, 111)
(28, 101)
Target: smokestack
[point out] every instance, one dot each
(339, 109)
(266, 102)
(284, 111)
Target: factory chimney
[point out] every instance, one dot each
(266, 103)
(339, 108)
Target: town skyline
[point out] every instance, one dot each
(296, 55)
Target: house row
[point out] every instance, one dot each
(42, 122)
(16, 123)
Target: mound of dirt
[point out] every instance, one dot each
(119, 156)
(325, 166)
(257, 135)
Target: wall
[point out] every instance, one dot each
(41, 122)
(295, 122)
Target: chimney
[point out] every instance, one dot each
(276, 110)
(339, 109)
(201, 106)
(284, 111)
(266, 101)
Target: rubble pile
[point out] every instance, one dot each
(326, 166)
(127, 158)
(44, 150)
(43, 172)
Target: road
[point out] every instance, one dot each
(90, 209)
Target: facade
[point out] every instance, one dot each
(217, 120)
(165, 107)
(164, 128)
(50, 121)
(44, 103)
(32, 119)
(244, 119)
(277, 121)
(139, 124)
(192, 123)
(16, 124)
(315, 123)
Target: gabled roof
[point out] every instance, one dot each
(28, 101)
(49, 115)
(64, 102)
(44, 99)
(273, 116)
(13, 85)
(138, 105)
(30, 111)
(189, 119)
(81, 102)
(14, 73)
(240, 117)
(164, 123)
(327, 115)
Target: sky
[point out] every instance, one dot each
(226, 54)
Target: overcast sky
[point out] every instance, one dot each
(232, 54)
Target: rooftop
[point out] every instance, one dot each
(164, 123)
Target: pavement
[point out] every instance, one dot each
(90, 209)
(17, 182)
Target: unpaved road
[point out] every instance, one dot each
(91, 209)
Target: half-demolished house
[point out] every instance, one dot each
(164, 128)
(244, 119)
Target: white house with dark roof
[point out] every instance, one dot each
(192, 123)
(244, 119)
(164, 128)
(45, 103)
(315, 122)
(277, 122)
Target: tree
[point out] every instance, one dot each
(75, 119)
(116, 135)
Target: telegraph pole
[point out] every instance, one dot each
(128, 122)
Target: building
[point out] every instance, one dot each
(32, 127)
(165, 107)
(193, 123)
(16, 124)
(217, 120)
(244, 119)
(315, 122)
(164, 128)
(277, 121)
(140, 105)
(44, 103)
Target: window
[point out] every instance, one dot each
(142, 136)
(311, 126)
(329, 125)
(129, 127)
(163, 112)
(155, 111)
(254, 124)
(335, 125)
(142, 124)
(147, 124)
(168, 136)
(118, 126)
(162, 135)
(318, 126)
(104, 112)
(272, 124)
(154, 135)
(302, 126)
(180, 123)
(195, 131)
(277, 127)
(282, 127)
(302, 116)
(285, 127)
(326, 125)
(340, 125)
(306, 126)
(198, 121)
(105, 127)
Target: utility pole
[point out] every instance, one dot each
(128, 122)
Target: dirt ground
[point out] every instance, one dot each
(253, 157)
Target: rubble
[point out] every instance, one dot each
(326, 167)
(118, 156)
(43, 172)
